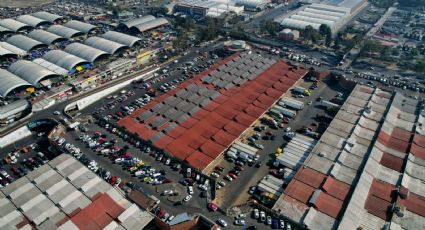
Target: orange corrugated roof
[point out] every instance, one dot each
(212, 149)
(329, 205)
(98, 214)
(299, 191)
(336, 188)
(199, 160)
(310, 177)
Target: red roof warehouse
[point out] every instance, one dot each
(202, 117)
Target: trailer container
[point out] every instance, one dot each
(274, 180)
(285, 112)
(301, 90)
(289, 102)
(275, 113)
(329, 105)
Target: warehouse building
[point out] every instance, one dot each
(34, 74)
(65, 60)
(81, 26)
(25, 43)
(32, 21)
(201, 118)
(9, 50)
(143, 24)
(315, 15)
(86, 52)
(364, 172)
(121, 38)
(52, 18)
(253, 5)
(64, 31)
(10, 82)
(46, 37)
(103, 44)
(13, 25)
(212, 8)
(64, 194)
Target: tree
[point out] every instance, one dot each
(395, 52)
(325, 30)
(371, 46)
(272, 28)
(420, 67)
(160, 10)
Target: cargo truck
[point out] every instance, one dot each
(285, 112)
(302, 90)
(275, 113)
(292, 103)
(329, 105)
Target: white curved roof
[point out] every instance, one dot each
(9, 82)
(50, 66)
(251, 3)
(121, 38)
(324, 12)
(47, 16)
(13, 49)
(25, 43)
(84, 51)
(63, 59)
(80, 26)
(150, 24)
(45, 37)
(31, 20)
(30, 71)
(320, 16)
(4, 29)
(328, 7)
(64, 31)
(313, 20)
(137, 21)
(294, 23)
(14, 25)
(103, 44)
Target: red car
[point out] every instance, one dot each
(113, 180)
(213, 207)
(233, 176)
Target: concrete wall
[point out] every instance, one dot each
(85, 102)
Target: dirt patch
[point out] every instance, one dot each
(23, 3)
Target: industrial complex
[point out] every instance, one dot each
(365, 171)
(314, 15)
(64, 194)
(202, 117)
(41, 58)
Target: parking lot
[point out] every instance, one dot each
(247, 176)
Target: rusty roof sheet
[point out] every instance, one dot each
(199, 160)
(310, 177)
(392, 162)
(336, 188)
(299, 191)
(326, 203)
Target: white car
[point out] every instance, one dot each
(190, 190)
(222, 222)
(56, 113)
(187, 198)
(167, 192)
(256, 214)
(227, 177)
(241, 216)
(239, 222)
(215, 175)
(262, 216)
(222, 183)
(288, 129)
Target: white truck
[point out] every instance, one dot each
(329, 105)
(289, 102)
(285, 112)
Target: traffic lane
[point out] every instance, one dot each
(197, 203)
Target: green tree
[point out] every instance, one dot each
(395, 52)
(159, 10)
(420, 67)
(325, 30)
(370, 46)
(272, 27)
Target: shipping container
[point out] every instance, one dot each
(292, 103)
(285, 112)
